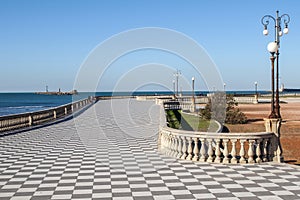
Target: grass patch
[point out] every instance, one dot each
(179, 120)
(173, 119)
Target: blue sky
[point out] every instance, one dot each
(45, 42)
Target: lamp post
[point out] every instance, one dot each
(278, 33)
(177, 74)
(193, 94)
(272, 48)
(224, 87)
(256, 94)
(255, 83)
(174, 87)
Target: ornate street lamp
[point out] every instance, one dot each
(272, 48)
(278, 33)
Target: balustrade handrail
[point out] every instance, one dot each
(24, 120)
(216, 135)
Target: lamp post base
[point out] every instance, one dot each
(255, 101)
(273, 115)
(273, 125)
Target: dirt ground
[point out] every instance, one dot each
(290, 130)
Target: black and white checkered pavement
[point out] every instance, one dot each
(110, 153)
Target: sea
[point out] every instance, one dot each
(16, 103)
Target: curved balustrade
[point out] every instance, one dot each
(13, 122)
(218, 147)
(215, 147)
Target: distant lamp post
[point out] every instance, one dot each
(193, 94)
(224, 87)
(174, 87)
(177, 74)
(275, 48)
(255, 83)
(256, 94)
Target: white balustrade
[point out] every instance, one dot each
(217, 147)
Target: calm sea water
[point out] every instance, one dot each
(15, 103)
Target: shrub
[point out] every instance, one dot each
(216, 108)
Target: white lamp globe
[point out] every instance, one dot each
(272, 47)
(265, 32)
(285, 30)
(280, 33)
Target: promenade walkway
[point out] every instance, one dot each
(110, 152)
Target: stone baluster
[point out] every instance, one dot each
(233, 151)
(163, 142)
(29, 120)
(258, 151)
(203, 150)
(190, 149)
(196, 149)
(218, 152)
(172, 145)
(270, 150)
(225, 152)
(184, 148)
(242, 152)
(265, 155)
(251, 152)
(179, 149)
(175, 149)
(167, 146)
(210, 151)
(169, 150)
(162, 137)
